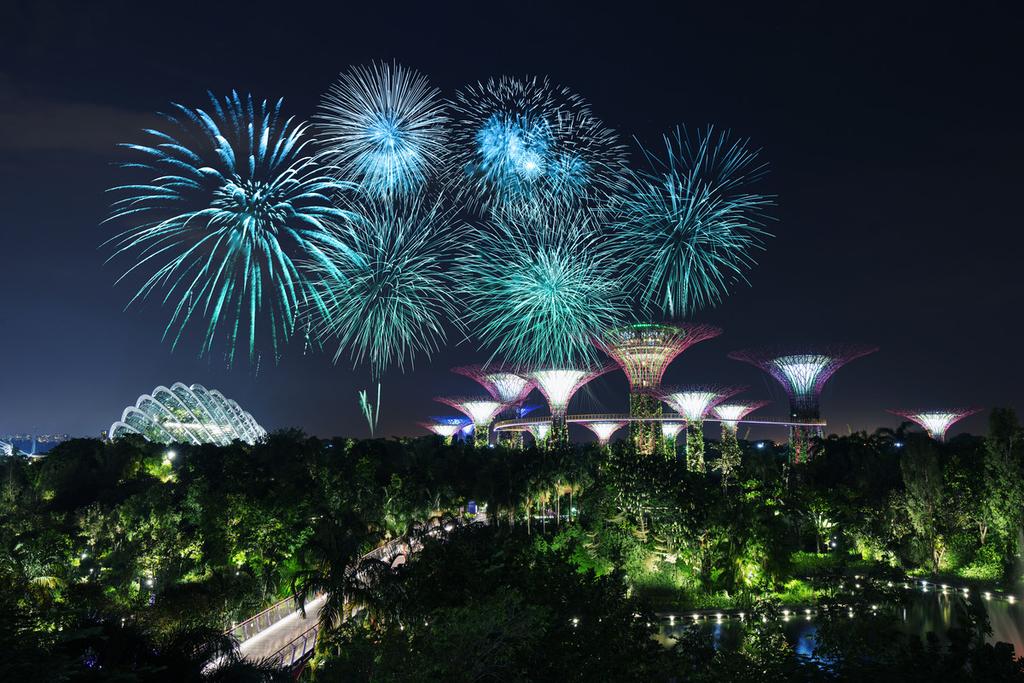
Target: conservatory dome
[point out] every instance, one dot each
(184, 414)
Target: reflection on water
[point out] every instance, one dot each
(931, 611)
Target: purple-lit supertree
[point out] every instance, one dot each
(558, 386)
(644, 351)
(936, 422)
(693, 403)
(604, 429)
(803, 372)
(730, 455)
(480, 411)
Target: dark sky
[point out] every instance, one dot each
(893, 133)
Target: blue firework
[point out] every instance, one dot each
(688, 225)
(521, 140)
(229, 202)
(383, 126)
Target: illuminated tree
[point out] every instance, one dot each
(730, 454)
(480, 411)
(604, 429)
(540, 432)
(558, 386)
(644, 351)
(936, 422)
(803, 372)
(693, 403)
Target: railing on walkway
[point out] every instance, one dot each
(296, 651)
(519, 424)
(257, 623)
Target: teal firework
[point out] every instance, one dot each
(229, 203)
(690, 223)
(538, 286)
(386, 293)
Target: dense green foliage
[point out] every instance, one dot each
(120, 561)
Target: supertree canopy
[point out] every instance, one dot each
(936, 422)
(688, 225)
(540, 432)
(445, 429)
(187, 414)
(803, 372)
(230, 201)
(604, 429)
(731, 413)
(538, 286)
(560, 385)
(523, 140)
(502, 384)
(383, 126)
(480, 411)
(644, 350)
(694, 402)
(384, 291)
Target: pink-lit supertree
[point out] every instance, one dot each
(936, 422)
(730, 454)
(693, 403)
(644, 351)
(480, 411)
(558, 386)
(503, 384)
(604, 429)
(803, 372)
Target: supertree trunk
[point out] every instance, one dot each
(695, 447)
(646, 435)
(731, 455)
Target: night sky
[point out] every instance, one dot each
(894, 138)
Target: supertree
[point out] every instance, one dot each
(517, 141)
(385, 292)
(669, 433)
(231, 202)
(693, 403)
(538, 286)
(445, 429)
(480, 411)
(383, 126)
(730, 454)
(803, 372)
(558, 386)
(540, 432)
(644, 351)
(604, 429)
(687, 226)
(936, 422)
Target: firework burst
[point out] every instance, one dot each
(689, 224)
(231, 200)
(538, 286)
(523, 140)
(386, 292)
(383, 126)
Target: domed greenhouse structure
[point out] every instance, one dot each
(184, 414)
